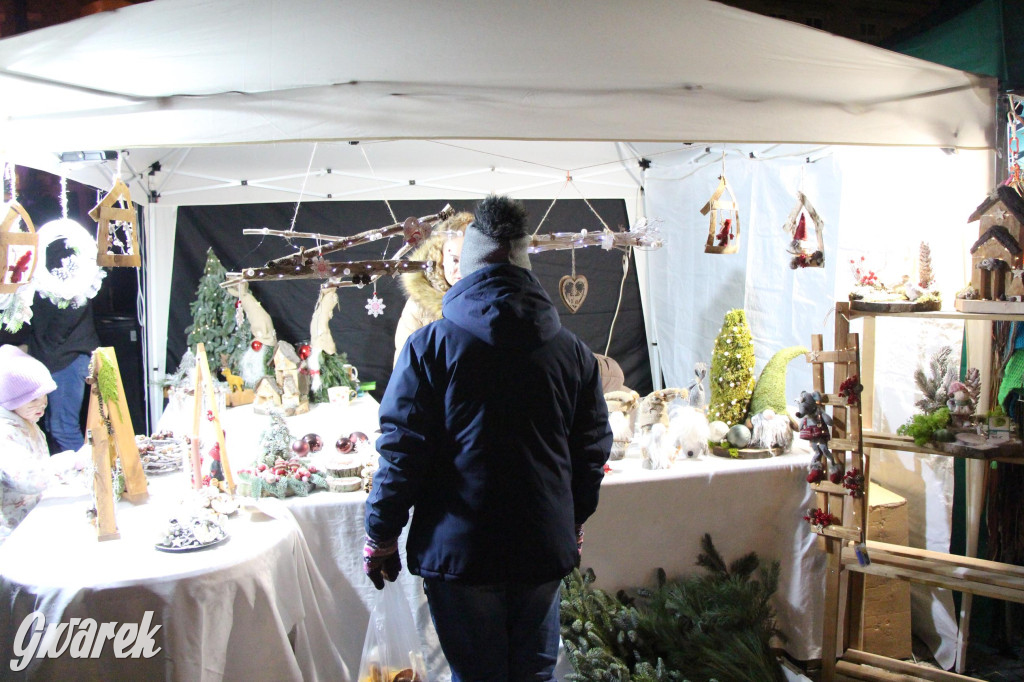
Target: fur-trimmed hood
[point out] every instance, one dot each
(427, 287)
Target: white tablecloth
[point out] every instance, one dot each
(250, 608)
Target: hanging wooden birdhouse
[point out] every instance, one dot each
(724, 228)
(117, 238)
(19, 248)
(808, 252)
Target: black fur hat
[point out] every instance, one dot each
(497, 235)
(500, 217)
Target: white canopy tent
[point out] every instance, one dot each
(246, 101)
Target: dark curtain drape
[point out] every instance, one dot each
(369, 341)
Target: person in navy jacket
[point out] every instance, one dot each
(494, 427)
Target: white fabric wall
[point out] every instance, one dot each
(161, 224)
(876, 202)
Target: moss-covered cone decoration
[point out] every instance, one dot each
(770, 391)
(732, 370)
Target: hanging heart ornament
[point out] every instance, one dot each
(573, 290)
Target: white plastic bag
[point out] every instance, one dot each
(391, 650)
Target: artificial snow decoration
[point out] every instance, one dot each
(79, 277)
(375, 306)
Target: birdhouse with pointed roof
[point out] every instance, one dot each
(19, 248)
(996, 255)
(724, 216)
(117, 238)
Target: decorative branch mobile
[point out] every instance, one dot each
(311, 264)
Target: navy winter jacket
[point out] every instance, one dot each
(494, 427)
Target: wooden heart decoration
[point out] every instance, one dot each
(573, 291)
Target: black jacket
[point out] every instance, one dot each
(494, 427)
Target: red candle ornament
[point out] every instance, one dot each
(256, 345)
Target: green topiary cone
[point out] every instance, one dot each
(732, 370)
(770, 391)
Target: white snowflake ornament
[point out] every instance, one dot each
(375, 306)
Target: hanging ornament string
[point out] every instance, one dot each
(568, 179)
(587, 202)
(302, 189)
(618, 304)
(394, 219)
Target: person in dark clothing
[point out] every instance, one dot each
(494, 427)
(63, 340)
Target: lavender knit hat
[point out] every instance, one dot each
(22, 378)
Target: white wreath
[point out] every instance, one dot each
(79, 277)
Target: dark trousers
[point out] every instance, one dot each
(65, 405)
(496, 633)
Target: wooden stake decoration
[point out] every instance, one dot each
(116, 219)
(724, 228)
(204, 386)
(109, 430)
(19, 251)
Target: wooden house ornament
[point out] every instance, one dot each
(996, 255)
(806, 253)
(267, 396)
(724, 216)
(19, 248)
(290, 378)
(117, 234)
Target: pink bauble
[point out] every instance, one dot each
(344, 445)
(359, 439)
(300, 447)
(314, 441)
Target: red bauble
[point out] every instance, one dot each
(209, 415)
(300, 447)
(256, 345)
(238, 303)
(314, 441)
(304, 351)
(344, 445)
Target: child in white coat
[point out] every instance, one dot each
(25, 468)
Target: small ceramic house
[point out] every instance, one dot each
(993, 256)
(268, 396)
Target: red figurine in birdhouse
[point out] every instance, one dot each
(725, 235)
(20, 267)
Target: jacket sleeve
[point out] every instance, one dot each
(406, 443)
(590, 441)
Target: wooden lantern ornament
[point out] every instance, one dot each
(724, 228)
(117, 236)
(806, 253)
(19, 250)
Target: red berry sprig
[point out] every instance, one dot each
(853, 481)
(851, 390)
(820, 517)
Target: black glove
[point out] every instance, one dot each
(381, 561)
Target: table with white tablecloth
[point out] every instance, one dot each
(251, 608)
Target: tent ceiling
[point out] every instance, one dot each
(397, 169)
(184, 73)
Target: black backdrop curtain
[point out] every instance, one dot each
(368, 341)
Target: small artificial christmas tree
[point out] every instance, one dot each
(925, 276)
(732, 370)
(278, 471)
(213, 318)
(332, 373)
